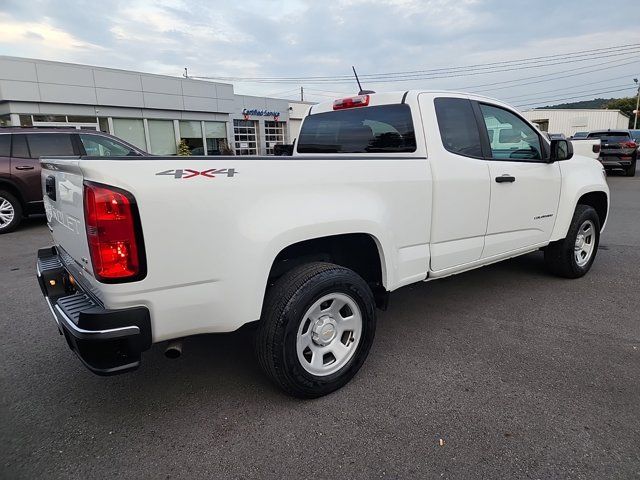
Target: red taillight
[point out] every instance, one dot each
(596, 148)
(111, 219)
(630, 144)
(351, 102)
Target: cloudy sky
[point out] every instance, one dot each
(307, 38)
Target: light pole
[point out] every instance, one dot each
(635, 119)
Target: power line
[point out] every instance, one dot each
(441, 76)
(582, 93)
(518, 82)
(534, 94)
(548, 59)
(564, 99)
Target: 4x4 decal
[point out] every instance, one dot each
(188, 173)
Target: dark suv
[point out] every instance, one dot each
(20, 152)
(617, 150)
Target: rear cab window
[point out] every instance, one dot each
(377, 129)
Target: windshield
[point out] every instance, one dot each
(381, 129)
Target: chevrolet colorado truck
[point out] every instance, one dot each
(382, 190)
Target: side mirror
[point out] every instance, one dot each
(561, 149)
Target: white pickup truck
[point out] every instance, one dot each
(383, 190)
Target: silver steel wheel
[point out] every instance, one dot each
(329, 334)
(585, 243)
(7, 212)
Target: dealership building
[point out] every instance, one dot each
(153, 112)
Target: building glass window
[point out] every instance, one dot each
(215, 134)
(130, 130)
(162, 137)
(246, 137)
(80, 119)
(26, 121)
(274, 134)
(49, 118)
(191, 133)
(5, 120)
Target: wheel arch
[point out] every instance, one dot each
(595, 196)
(600, 203)
(360, 252)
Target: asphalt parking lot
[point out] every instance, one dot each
(503, 372)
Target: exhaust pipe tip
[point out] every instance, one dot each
(174, 349)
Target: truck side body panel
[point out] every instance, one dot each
(210, 239)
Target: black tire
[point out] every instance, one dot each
(17, 212)
(560, 256)
(286, 303)
(631, 170)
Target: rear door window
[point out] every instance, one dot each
(380, 129)
(50, 144)
(458, 128)
(19, 148)
(5, 145)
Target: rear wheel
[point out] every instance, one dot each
(573, 256)
(316, 330)
(10, 212)
(631, 169)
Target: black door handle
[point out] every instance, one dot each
(25, 167)
(505, 178)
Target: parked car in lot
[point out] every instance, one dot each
(635, 134)
(20, 152)
(617, 150)
(382, 190)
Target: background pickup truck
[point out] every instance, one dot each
(587, 147)
(382, 190)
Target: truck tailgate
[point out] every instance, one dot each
(62, 188)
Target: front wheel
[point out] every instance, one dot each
(573, 256)
(317, 327)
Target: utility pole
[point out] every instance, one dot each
(302, 94)
(635, 118)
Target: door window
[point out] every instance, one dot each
(512, 138)
(98, 146)
(50, 144)
(458, 127)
